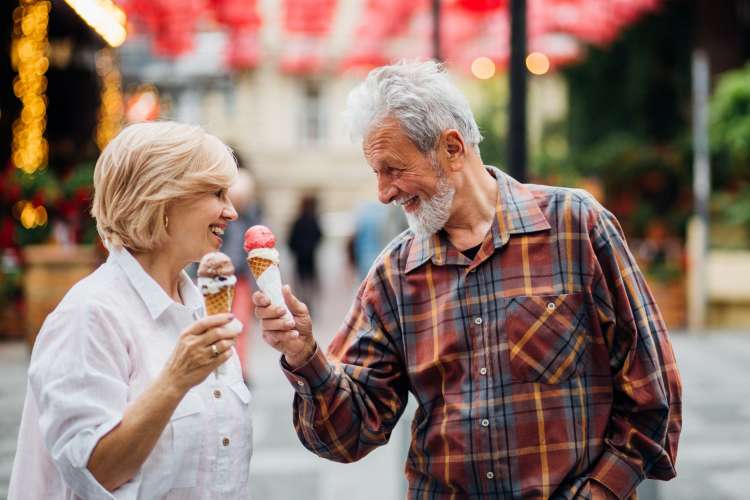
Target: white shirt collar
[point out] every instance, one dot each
(154, 297)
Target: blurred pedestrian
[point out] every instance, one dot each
(242, 194)
(123, 400)
(375, 226)
(304, 238)
(514, 313)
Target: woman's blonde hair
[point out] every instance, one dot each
(144, 169)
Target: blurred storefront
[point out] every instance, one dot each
(60, 103)
(609, 86)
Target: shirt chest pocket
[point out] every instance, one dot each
(546, 337)
(187, 440)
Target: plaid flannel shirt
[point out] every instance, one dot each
(538, 366)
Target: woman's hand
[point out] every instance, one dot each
(290, 336)
(201, 348)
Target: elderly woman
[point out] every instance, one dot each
(123, 401)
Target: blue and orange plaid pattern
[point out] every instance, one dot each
(539, 366)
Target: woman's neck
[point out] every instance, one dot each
(163, 270)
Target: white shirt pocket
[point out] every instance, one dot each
(187, 440)
(240, 389)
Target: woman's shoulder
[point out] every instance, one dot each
(105, 288)
(97, 297)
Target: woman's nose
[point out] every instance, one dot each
(229, 211)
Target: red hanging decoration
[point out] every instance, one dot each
(482, 5)
(306, 24)
(242, 20)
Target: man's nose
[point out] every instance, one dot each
(386, 192)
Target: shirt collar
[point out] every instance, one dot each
(517, 212)
(154, 297)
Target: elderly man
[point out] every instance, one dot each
(514, 313)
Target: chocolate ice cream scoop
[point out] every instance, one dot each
(215, 264)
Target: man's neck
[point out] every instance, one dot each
(473, 207)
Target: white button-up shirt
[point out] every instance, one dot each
(98, 351)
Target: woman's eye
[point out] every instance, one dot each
(220, 193)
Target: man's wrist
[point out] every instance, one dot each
(300, 358)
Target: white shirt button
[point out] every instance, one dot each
(225, 441)
(483, 371)
(477, 321)
(490, 475)
(551, 306)
(485, 422)
(217, 393)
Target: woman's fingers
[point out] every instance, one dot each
(207, 323)
(219, 360)
(215, 334)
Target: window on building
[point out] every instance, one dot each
(313, 119)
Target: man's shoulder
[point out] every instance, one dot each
(394, 254)
(560, 203)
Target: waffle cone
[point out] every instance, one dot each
(219, 302)
(258, 266)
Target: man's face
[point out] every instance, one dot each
(409, 178)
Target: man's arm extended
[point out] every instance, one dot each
(346, 408)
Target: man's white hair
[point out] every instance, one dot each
(417, 94)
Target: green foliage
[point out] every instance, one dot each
(730, 119)
(730, 144)
(492, 119)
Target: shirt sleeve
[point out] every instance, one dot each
(348, 402)
(647, 410)
(78, 376)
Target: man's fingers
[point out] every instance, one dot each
(269, 312)
(261, 299)
(296, 307)
(277, 339)
(281, 324)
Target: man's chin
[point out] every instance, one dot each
(420, 229)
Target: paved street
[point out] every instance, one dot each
(713, 457)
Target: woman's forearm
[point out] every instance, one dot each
(120, 453)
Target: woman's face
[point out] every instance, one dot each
(196, 225)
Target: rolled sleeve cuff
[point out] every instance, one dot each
(310, 377)
(80, 478)
(618, 475)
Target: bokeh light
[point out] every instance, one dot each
(537, 63)
(483, 68)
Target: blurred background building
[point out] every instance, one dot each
(615, 105)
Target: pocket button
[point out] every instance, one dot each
(551, 306)
(477, 321)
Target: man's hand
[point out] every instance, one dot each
(290, 336)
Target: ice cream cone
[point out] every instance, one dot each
(216, 281)
(263, 261)
(219, 302)
(258, 265)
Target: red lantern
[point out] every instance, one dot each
(482, 5)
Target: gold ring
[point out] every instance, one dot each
(214, 350)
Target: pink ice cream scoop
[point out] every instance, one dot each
(259, 237)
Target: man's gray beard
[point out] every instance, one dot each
(432, 215)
